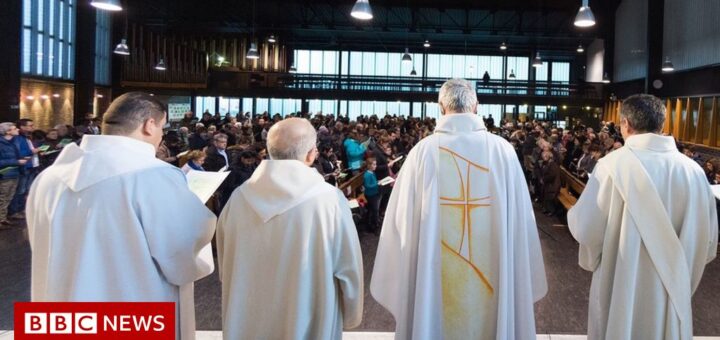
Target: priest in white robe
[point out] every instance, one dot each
(288, 250)
(108, 222)
(459, 254)
(647, 227)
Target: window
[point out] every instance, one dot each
(47, 38)
(316, 62)
(204, 104)
(102, 48)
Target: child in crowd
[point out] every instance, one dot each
(372, 194)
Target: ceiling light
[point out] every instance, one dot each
(413, 72)
(406, 57)
(503, 46)
(667, 66)
(161, 65)
(606, 79)
(587, 108)
(122, 48)
(253, 52)
(107, 5)
(99, 95)
(362, 10)
(580, 49)
(271, 39)
(426, 44)
(564, 107)
(152, 95)
(585, 17)
(293, 69)
(220, 59)
(56, 95)
(512, 74)
(537, 62)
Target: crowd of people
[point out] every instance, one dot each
(460, 234)
(238, 143)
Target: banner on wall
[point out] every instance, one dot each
(177, 106)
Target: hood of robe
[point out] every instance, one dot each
(276, 186)
(460, 122)
(651, 141)
(100, 157)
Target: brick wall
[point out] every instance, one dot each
(46, 103)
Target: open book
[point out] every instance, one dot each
(386, 181)
(204, 183)
(394, 161)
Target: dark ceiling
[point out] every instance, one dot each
(453, 26)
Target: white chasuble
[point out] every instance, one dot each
(459, 254)
(289, 257)
(108, 222)
(646, 225)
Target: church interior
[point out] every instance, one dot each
(550, 77)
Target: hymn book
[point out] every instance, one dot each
(204, 183)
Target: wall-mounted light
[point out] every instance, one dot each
(271, 39)
(503, 46)
(56, 95)
(580, 49)
(44, 97)
(30, 97)
(426, 44)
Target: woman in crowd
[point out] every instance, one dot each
(196, 158)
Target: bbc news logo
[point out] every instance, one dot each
(95, 320)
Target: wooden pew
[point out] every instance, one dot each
(354, 183)
(570, 189)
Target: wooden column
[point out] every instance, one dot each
(668, 115)
(677, 129)
(687, 135)
(700, 128)
(713, 123)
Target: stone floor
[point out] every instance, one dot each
(562, 311)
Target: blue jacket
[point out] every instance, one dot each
(21, 143)
(370, 183)
(355, 153)
(9, 156)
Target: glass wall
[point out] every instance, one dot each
(204, 104)
(380, 64)
(48, 37)
(102, 48)
(464, 66)
(316, 62)
(356, 108)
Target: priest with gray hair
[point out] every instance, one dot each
(288, 250)
(459, 254)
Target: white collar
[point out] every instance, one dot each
(459, 122)
(651, 141)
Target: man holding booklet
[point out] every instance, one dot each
(119, 226)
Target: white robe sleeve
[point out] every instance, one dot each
(388, 274)
(587, 219)
(348, 263)
(177, 228)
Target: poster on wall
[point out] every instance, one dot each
(177, 106)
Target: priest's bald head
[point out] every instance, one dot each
(641, 113)
(457, 96)
(136, 115)
(293, 138)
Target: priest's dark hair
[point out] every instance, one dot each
(644, 112)
(130, 111)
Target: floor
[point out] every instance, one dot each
(562, 311)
